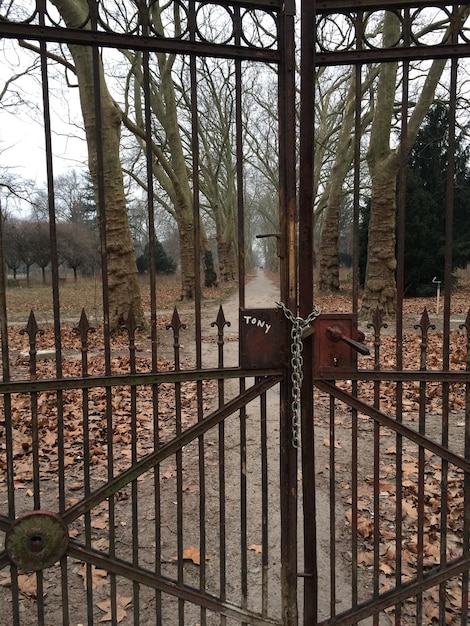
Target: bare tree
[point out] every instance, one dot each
(116, 243)
(26, 233)
(329, 203)
(41, 246)
(77, 246)
(11, 253)
(169, 159)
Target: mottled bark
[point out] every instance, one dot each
(123, 288)
(380, 285)
(228, 265)
(380, 280)
(381, 260)
(328, 253)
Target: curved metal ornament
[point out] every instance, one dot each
(36, 540)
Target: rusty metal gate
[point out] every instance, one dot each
(153, 480)
(145, 479)
(388, 438)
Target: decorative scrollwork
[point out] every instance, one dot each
(419, 27)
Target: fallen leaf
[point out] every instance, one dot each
(191, 554)
(122, 603)
(99, 523)
(256, 548)
(326, 443)
(98, 576)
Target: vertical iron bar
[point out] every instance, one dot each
(377, 324)
(10, 466)
(221, 322)
(401, 214)
(32, 331)
(376, 495)
(56, 308)
(288, 275)
(449, 219)
(176, 326)
(264, 506)
(197, 313)
(241, 283)
(354, 418)
(131, 328)
(424, 325)
(83, 329)
(466, 511)
(305, 252)
(34, 413)
(102, 210)
(144, 20)
(332, 499)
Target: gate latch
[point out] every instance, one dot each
(337, 341)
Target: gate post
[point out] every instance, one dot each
(288, 275)
(306, 200)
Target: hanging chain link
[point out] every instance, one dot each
(298, 326)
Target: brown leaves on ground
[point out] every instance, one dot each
(27, 584)
(98, 576)
(98, 408)
(420, 527)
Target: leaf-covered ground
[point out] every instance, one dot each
(425, 504)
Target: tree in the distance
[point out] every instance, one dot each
(425, 205)
(77, 246)
(164, 264)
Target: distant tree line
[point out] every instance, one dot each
(26, 243)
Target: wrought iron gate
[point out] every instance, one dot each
(389, 436)
(136, 483)
(141, 486)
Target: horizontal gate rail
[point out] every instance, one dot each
(133, 42)
(169, 448)
(156, 581)
(403, 376)
(142, 378)
(399, 427)
(395, 596)
(446, 51)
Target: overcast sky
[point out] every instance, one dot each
(22, 140)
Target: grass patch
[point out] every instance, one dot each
(86, 293)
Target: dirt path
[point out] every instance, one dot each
(261, 292)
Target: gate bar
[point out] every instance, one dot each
(168, 449)
(400, 594)
(151, 579)
(391, 423)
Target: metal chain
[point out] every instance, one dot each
(298, 326)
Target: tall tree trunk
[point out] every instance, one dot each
(381, 260)
(380, 285)
(186, 236)
(123, 288)
(228, 266)
(328, 255)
